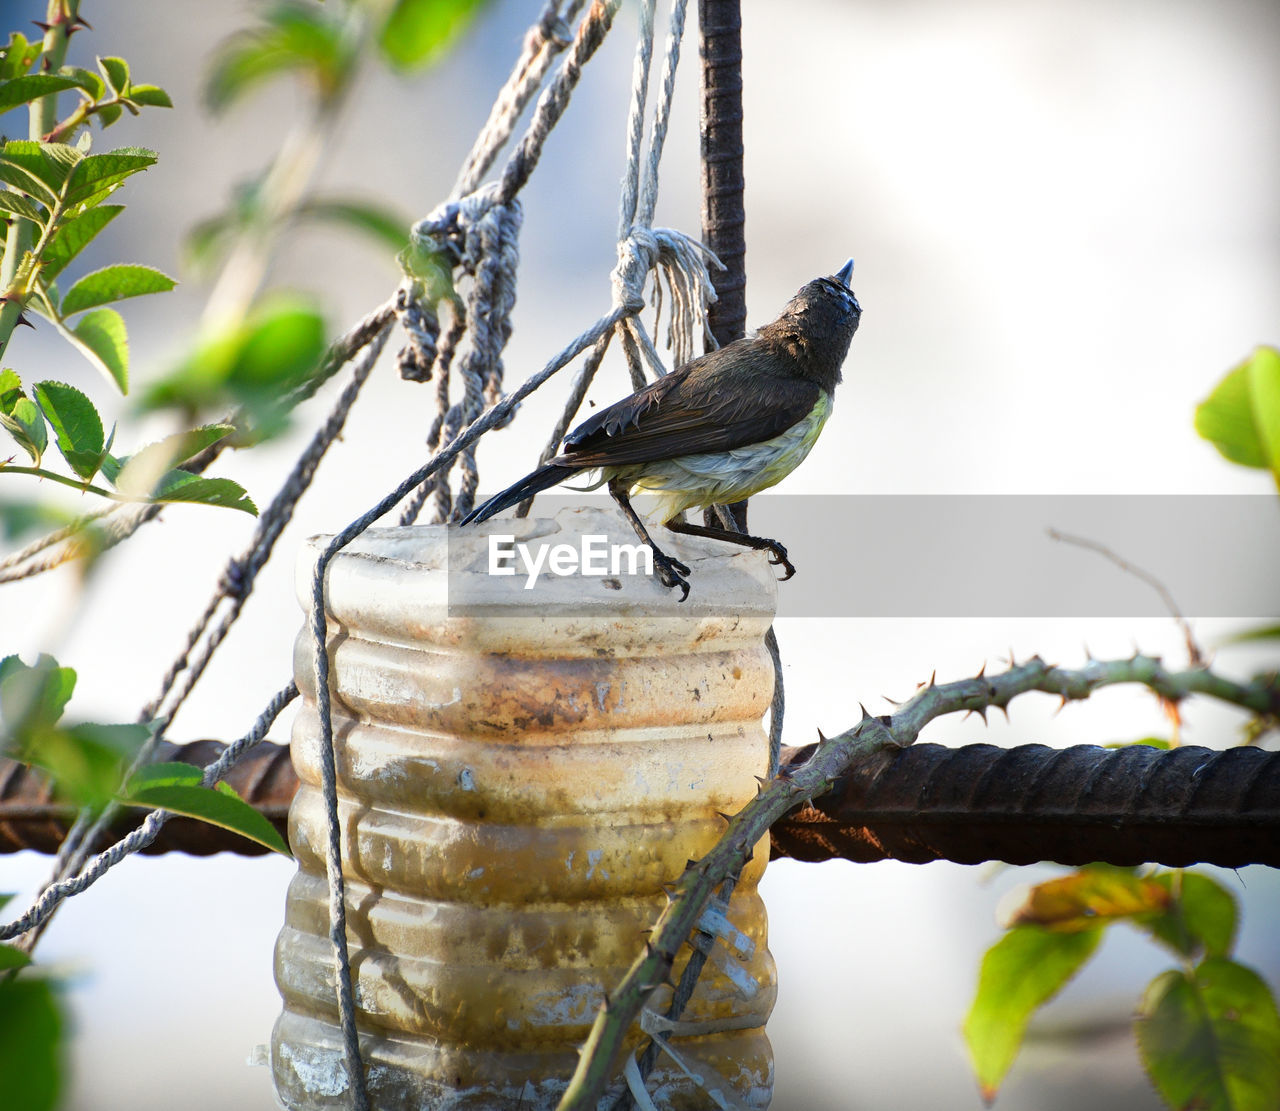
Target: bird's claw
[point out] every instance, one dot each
(778, 557)
(672, 573)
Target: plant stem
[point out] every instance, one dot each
(85, 487)
(61, 16)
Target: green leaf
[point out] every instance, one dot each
(17, 56)
(30, 1044)
(418, 31)
(1021, 972)
(103, 338)
(151, 95)
(1201, 917)
(1150, 742)
(109, 114)
(15, 170)
(145, 472)
(297, 38)
(1262, 632)
(1241, 418)
(25, 424)
(21, 206)
(1210, 1039)
(113, 283)
(49, 163)
(85, 79)
(1088, 897)
(183, 486)
(116, 71)
(73, 236)
(172, 788)
(76, 424)
(33, 697)
(23, 90)
(96, 172)
(386, 227)
(12, 957)
(20, 518)
(21, 418)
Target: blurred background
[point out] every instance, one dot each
(1065, 225)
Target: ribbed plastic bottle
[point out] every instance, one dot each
(520, 770)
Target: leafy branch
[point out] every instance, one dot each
(832, 759)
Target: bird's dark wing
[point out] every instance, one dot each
(711, 404)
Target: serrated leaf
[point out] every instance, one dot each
(1020, 973)
(33, 696)
(50, 163)
(217, 807)
(146, 472)
(1088, 897)
(114, 283)
(76, 424)
(96, 172)
(1201, 917)
(183, 486)
(73, 236)
(17, 175)
(85, 79)
(30, 1044)
(104, 339)
(116, 71)
(418, 31)
(23, 90)
(21, 206)
(1241, 418)
(386, 227)
(12, 957)
(151, 95)
(1210, 1039)
(25, 424)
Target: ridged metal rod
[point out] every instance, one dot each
(928, 802)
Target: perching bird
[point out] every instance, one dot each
(720, 428)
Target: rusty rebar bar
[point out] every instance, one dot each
(927, 802)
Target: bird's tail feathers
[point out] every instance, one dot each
(543, 478)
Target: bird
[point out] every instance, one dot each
(718, 429)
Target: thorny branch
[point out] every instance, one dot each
(833, 758)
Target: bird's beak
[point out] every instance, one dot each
(846, 272)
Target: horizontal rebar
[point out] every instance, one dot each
(927, 802)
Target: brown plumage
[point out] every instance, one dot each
(720, 428)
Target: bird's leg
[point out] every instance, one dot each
(670, 571)
(777, 553)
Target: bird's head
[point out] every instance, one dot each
(823, 316)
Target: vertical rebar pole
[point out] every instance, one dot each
(723, 215)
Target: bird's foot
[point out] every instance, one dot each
(778, 557)
(672, 572)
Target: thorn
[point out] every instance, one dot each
(80, 21)
(727, 817)
(45, 27)
(891, 701)
(1061, 705)
(865, 713)
(981, 711)
(933, 679)
(822, 737)
(22, 319)
(669, 890)
(760, 780)
(982, 670)
(1003, 709)
(1087, 654)
(1012, 661)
